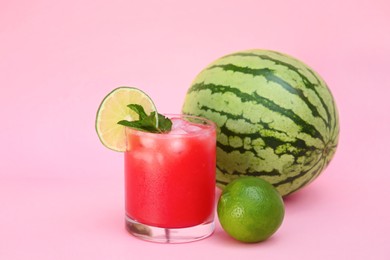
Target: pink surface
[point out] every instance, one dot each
(61, 191)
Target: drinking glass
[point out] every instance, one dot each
(170, 181)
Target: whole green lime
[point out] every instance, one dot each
(250, 209)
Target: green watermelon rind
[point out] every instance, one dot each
(276, 118)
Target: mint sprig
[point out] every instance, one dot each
(147, 123)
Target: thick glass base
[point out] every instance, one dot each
(169, 235)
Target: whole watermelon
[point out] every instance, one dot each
(276, 118)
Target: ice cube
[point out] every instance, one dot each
(147, 157)
(178, 123)
(144, 156)
(178, 131)
(147, 142)
(177, 145)
(180, 126)
(191, 128)
(160, 158)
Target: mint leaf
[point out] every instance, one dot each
(143, 125)
(147, 122)
(138, 109)
(164, 123)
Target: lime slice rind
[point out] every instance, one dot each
(113, 109)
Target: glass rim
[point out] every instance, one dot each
(207, 122)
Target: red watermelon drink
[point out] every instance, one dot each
(170, 181)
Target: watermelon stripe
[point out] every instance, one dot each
(312, 170)
(270, 76)
(328, 113)
(305, 127)
(227, 149)
(307, 175)
(308, 83)
(334, 130)
(270, 141)
(255, 174)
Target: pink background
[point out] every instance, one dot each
(61, 191)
